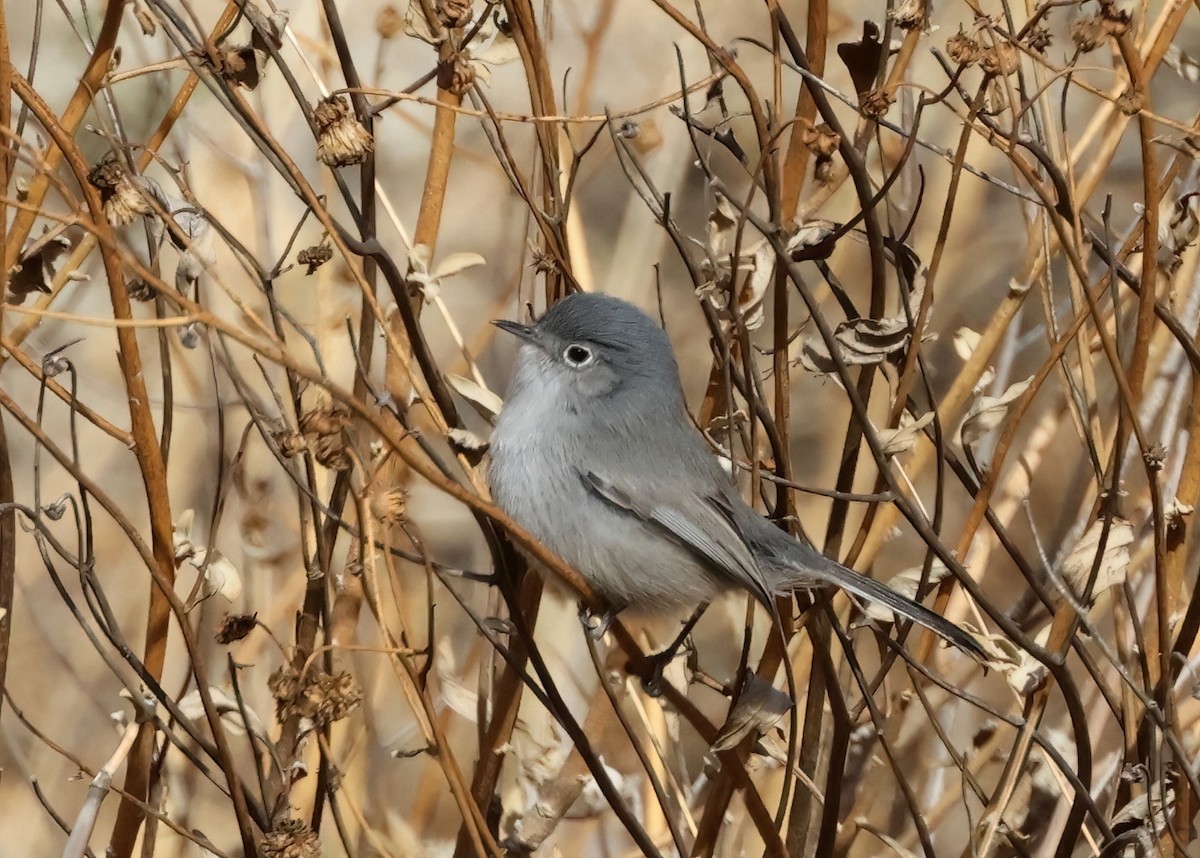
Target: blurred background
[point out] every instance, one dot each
(247, 362)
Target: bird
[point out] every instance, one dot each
(594, 454)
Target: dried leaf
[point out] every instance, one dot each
(457, 262)
(863, 342)
(721, 223)
(1024, 673)
(420, 27)
(192, 707)
(754, 287)
(903, 438)
(1114, 564)
(487, 403)
(758, 708)
(905, 583)
(1186, 66)
(468, 444)
(862, 57)
(988, 412)
(221, 577)
(809, 236)
(966, 341)
(1148, 810)
(35, 271)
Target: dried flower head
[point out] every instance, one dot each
(1131, 101)
(1038, 39)
(455, 13)
(341, 138)
(1088, 33)
(292, 838)
(322, 429)
(235, 627)
(875, 103)
(456, 75)
(388, 505)
(963, 49)
(388, 22)
(122, 199)
(822, 139)
(315, 256)
(1002, 58)
(321, 698)
(911, 14)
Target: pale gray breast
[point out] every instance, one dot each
(539, 454)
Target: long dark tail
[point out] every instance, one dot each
(871, 590)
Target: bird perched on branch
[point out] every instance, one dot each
(594, 455)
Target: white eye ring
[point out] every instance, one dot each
(577, 355)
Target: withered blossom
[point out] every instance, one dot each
(124, 199)
(292, 838)
(315, 256)
(235, 627)
(341, 138)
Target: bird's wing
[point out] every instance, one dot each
(703, 525)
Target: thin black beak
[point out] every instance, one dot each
(525, 332)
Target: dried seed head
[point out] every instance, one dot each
(389, 505)
(454, 13)
(911, 14)
(1003, 58)
(1131, 101)
(291, 838)
(316, 256)
(1088, 33)
(332, 697)
(327, 420)
(330, 451)
(875, 103)
(322, 428)
(1038, 39)
(321, 697)
(341, 138)
(455, 75)
(123, 201)
(290, 443)
(1116, 20)
(235, 627)
(389, 22)
(963, 49)
(822, 139)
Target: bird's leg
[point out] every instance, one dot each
(655, 664)
(595, 624)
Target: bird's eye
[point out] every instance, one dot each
(578, 356)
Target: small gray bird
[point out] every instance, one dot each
(594, 455)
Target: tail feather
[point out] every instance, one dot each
(871, 590)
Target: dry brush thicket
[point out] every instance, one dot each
(932, 278)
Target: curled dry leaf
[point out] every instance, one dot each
(35, 271)
(429, 282)
(221, 577)
(754, 287)
(487, 403)
(1175, 512)
(966, 341)
(904, 437)
(758, 708)
(1114, 564)
(420, 27)
(1184, 64)
(192, 707)
(1024, 673)
(1179, 223)
(1151, 810)
(862, 342)
(905, 583)
(988, 412)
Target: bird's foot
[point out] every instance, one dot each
(595, 624)
(653, 681)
